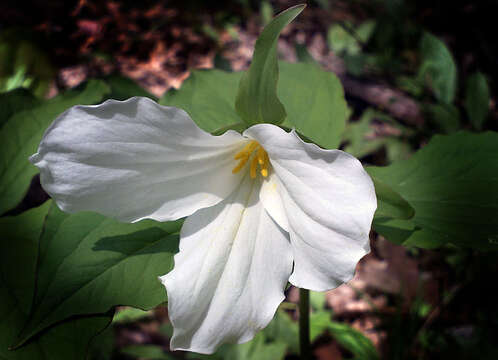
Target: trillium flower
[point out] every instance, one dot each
(263, 208)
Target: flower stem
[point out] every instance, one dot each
(304, 324)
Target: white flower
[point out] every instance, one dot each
(263, 208)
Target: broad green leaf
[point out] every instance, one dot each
(313, 97)
(15, 101)
(350, 339)
(390, 204)
(257, 100)
(438, 68)
(477, 99)
(123, 88)
(88, 264)
(452, 185)
(208, 96)
(315, 103)
(19, 247)
(22, 133)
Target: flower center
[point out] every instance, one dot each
(259, 157)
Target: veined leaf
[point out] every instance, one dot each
(69, 340)
(15, 101)
(87, 264)
(453, 187)
(315, 103)
(314, 98)
(390, 204)
(22, 133)
(208, 96)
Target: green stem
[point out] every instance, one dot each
(304, 324)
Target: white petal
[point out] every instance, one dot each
(329, 201)
(135, 159)
(272, 200)
(230, 274)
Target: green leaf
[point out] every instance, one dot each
(283, 329)
(19, 241)
(257, 100)
(340, 41)
(452, 185)
(23, 64)
(354, 341)
(477, 99)
(349, 338)
(438, 68)
(123, 88)
(88, 264)
(266, 12)
(319, 322)
(317, 300)
(208, 96)
(15, 101)
(446, 117)
(22, 133)
(315, 103)
(269, 344)
(360, 142)
(356, 136)
(313, 97)
(256, 349)
(344, 39)
(146, 352)
(130, 314)
(390, 204)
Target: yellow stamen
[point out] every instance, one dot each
(259, 157)
(264, 164)
(254, 165)
(247, 150)
(240, 165)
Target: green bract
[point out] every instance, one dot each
(257, 100)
